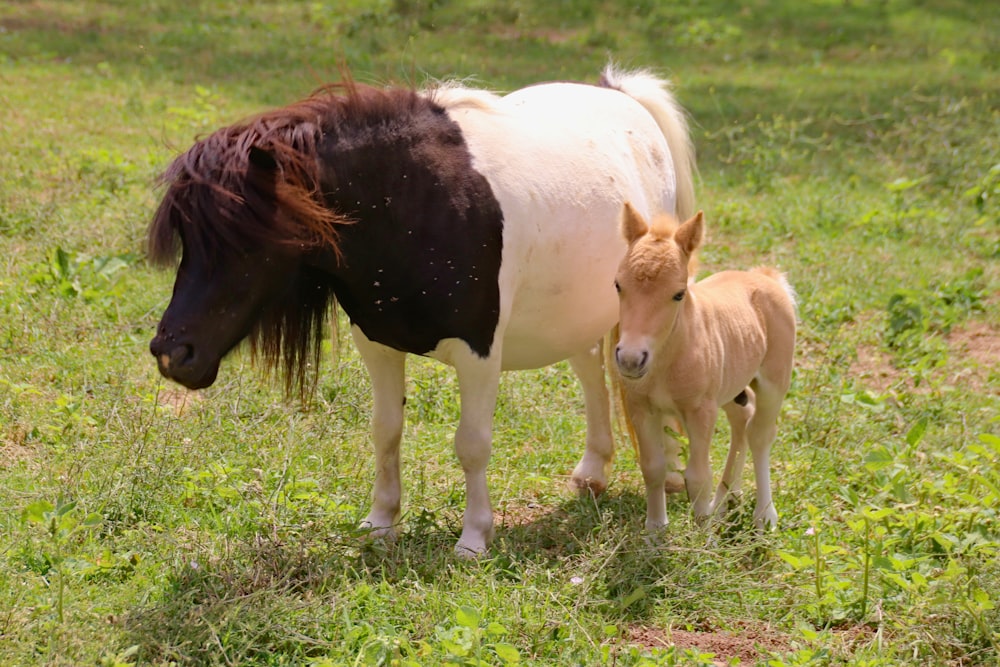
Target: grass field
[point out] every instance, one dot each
(855, 144)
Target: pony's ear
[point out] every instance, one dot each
(690, 234)
(262, 159)
(632, 225)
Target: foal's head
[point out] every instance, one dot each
(652, 284)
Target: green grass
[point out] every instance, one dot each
(853, 144)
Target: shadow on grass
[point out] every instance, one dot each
(289, 590)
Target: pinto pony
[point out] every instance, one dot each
(475, 229)
(687, 348)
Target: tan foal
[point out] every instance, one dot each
(687, 348)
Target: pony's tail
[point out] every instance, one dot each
(618, 406)
(654, 94)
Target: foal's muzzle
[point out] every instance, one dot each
(632, 364)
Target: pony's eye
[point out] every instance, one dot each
(679, 296)
(618, 288)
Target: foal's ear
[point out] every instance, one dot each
(632, 225)
(690, 234)
(261, 158)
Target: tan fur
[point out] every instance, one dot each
(685, 349)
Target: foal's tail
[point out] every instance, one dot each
(781, 279)
(654, 94)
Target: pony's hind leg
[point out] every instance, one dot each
(386, 369)
(739, 415)
(591, 473)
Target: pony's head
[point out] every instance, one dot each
(652, 284)
(242, 209)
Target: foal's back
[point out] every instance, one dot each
(753, 316)
(761, 294)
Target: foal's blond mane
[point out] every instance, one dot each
(646, 258)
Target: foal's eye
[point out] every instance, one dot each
(618, 288)
(679, 296)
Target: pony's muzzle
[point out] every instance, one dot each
(179, 356)
(178, 362)
(632, 363)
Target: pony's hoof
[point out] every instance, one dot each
(590, 477)
(373, 531)
(674, 483)
(589, 486)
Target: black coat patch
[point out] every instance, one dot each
(420, 262)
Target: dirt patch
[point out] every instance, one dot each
(748, 643)
(179, 400)
(874, 367)
(974, 353)
(979, 343)
(14, 447)
(9, 454)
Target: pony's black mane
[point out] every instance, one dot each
(219, 199)
(214, 203)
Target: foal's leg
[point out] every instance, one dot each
(652, 462)
(732, 475)
(591, 473)
(478, 384)
(760, 433)
(674, 482)
(386, 368)
(700, 424)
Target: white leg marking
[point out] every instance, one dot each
(591, 473)
(478, 383)
(386, 368)
(760, 433)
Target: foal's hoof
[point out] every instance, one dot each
(674, 483)
(767, 520)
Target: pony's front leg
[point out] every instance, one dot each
(386, 369)
(591, 473)
(478, 383)
(700, 424)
